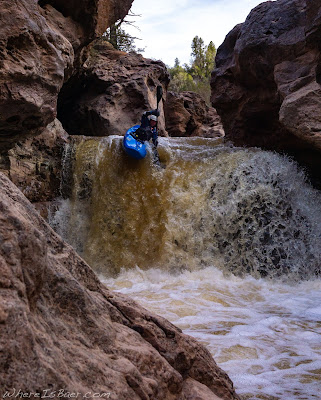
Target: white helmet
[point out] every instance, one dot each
(152, 118)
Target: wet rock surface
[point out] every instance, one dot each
(266, 86)
(187, 114)
(62, 330)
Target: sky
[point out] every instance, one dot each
(167, 27)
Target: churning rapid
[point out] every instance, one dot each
(192, 240)
(244, 211)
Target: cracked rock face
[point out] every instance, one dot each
(62, 329)
(266, 86)
(38, 42)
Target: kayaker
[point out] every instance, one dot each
(148, 127)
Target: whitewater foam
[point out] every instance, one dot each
(192, 242)
(266, 336)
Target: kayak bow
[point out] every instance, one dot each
(132, 146)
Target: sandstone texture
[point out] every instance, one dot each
(38, 44)
(266, 86)
(110, 92)
(94, 16)
(34, 165)
(63, 331)
(187, 114)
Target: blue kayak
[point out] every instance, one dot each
(132, 146)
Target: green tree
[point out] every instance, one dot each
(198, 57)
(120, 39)
(203, 58)
(181, 80)
(210, 55)
(196, 76)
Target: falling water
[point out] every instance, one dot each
(192, 240)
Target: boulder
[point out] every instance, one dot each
(110, 92)
(64, 334)
(187, 114)
(266, 86)
(38, 43)
(34, 165)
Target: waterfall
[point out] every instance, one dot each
(222, 241)
(244, 211)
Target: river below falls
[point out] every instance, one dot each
(224, 242)
(265, 335)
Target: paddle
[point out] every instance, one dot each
(159, 94)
